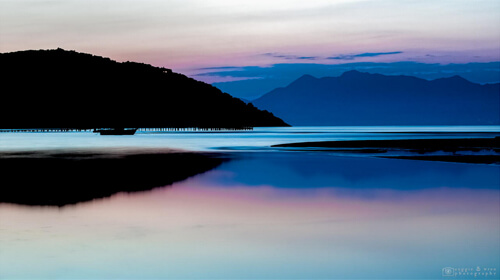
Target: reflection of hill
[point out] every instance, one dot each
(68, 177)
(58, 88)
(356, 98)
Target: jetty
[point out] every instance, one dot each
(142, 129)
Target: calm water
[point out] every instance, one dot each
(258, 139)
(267, 214)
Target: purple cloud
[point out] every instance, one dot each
(290, 56)
(354, 56)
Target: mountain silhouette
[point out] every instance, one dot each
(67, 89)
(357, 98)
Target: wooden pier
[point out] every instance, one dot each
(141, 129)
(46, 130)
(192, 129)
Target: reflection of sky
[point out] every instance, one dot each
(268, 222)
(317, 170)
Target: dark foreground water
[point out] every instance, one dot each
(266, 214)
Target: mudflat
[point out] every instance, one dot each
(465, 150)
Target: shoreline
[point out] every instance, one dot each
(460, 150)
(63, 177)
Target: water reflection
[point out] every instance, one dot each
(62, 177)
(318, 170)
(270, 216)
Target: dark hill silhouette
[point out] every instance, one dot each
(357, 98)
(58, 88)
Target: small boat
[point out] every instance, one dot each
(116, 131)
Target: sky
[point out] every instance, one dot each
(196, 37)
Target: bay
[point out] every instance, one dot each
(266, 214)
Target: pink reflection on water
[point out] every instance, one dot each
(200, 229)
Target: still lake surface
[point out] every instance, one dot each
(267, 214)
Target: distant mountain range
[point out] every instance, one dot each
(67, 89)
(357, 98)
